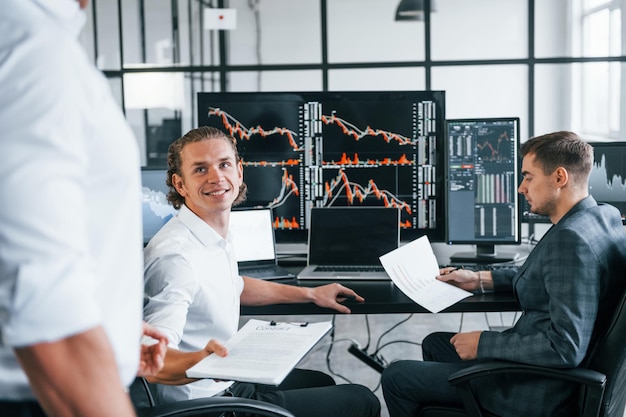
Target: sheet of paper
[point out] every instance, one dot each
(262, 352)
(413, 268)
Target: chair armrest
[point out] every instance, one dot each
(201, 406)
(578, 375)
(594, 382)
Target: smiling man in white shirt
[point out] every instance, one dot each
(193, 291)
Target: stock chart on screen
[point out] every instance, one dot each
(322, 149)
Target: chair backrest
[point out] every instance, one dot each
(609, 357)
(140, 394)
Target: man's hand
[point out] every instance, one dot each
(152, 357)
(466, 344)
(462, 278)
(331, 295)
(216, 347)
(174, 372)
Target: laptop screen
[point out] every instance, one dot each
(253, 234)
(352, 235)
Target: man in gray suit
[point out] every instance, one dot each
(567, 289)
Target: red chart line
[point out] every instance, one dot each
(355, 191)
(357, 134)
(237, 129)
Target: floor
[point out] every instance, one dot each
(393, 336)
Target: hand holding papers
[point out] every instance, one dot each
(262, 352)
(413, 268)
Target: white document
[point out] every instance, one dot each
(413, 268)
(262, 352)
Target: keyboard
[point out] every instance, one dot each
(350, 268)
(260, 272)
(484, 267)
(267, 272)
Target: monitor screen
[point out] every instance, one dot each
(342, 236)
(156, 210)
(483, 206)
(320, 149)
(530, 217)
(607, 181)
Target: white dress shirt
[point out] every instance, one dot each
(70, 196)
(192, 292)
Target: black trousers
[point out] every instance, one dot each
(309, 393)
(21, 409)
(409, 384)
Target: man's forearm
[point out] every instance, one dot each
(76, 376)
(175, 367)
(259, 292)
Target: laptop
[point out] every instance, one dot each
(346, 242)
(254, 243)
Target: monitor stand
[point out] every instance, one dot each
(485, 254)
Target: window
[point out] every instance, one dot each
(555, 64)
(600, 82)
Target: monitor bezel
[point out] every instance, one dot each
(437, 234)
(486, 248)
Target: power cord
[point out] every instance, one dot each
(330, 349)
(374, 360)
(390, 329)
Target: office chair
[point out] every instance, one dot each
(602, 376)
(143, 401)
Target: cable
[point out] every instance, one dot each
(389, 330)
(330, 348)
(369, 333)
(399, 341)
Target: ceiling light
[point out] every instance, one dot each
(413, 9)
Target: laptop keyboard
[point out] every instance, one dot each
(267, 272)
(350, 268)
(259, 272)
(485, 267)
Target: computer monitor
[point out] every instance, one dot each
(607, 181)
(483, 206)
(530, 217)
(318, 149)
(156, 210)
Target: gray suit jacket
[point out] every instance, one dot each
(568, 285)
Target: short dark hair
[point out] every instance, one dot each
(174, 160)
(561, 149)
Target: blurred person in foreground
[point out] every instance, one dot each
(70, 225)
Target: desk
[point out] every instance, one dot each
(383, 297)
